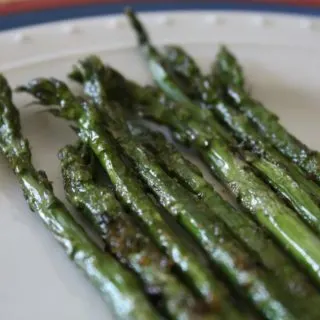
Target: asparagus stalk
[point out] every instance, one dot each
(198, 219)
(269, 166)
(244, 227)
(221, 71)
(252, 194)
(294, 187)
(125, 240)
(268, 253)
(211, 93)
(116, 285)
(264, 120)
(167, 80)
(156, 63)
(128, 189)
(250, 191)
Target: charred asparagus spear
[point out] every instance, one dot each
(256, 240)
(128, 189)
(124, 239)
(267, 122)
(115, 284)
(254, 195)
(198, 219)
(160, 71)
(268, 165)
(296, 188)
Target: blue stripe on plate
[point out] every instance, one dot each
(44, 16)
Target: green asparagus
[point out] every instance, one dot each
(261, 202)
(115, 284)
(227, 68)
(295, 188)
(269, 167)
(266, 121)
(246, 229)
(198, 219)
(92, 131)
(125, 240)
(254, 195)
(187, 130)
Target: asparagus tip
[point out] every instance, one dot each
(86, 68)
(138, 27)
(76, 75)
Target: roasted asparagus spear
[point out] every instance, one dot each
(212, 88)
(116, 285)
(250, 191)
(267, 165)
(198, 219)
(225, 163)
(125, 239)
(267, 122)
(255, 238)
(282, 175)
(92, 131)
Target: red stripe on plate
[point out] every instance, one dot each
(32, 5)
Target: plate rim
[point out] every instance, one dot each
(23, 19)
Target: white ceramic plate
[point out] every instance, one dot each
(280, 54)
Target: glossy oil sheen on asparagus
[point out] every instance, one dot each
(266, 121)
(256, 240)
(226, 164)
(92, 131)
(196, 218)
(116, 285)
(300, 193)
(125, 240)
(267, 164)
(209, 90)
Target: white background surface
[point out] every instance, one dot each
(281, 59)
